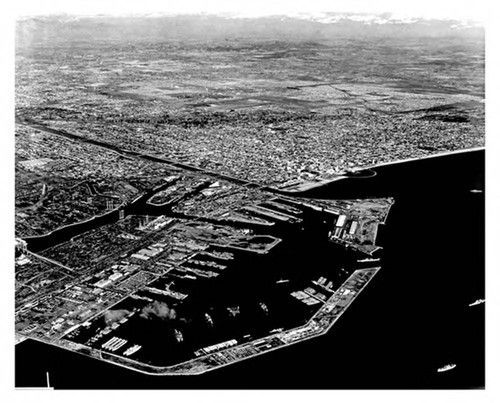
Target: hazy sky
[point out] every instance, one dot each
(452, 9)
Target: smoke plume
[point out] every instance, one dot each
(112, 316)
(159, 310)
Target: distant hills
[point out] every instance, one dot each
(66, 28)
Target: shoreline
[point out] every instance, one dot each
(462, 151)
(308, 186)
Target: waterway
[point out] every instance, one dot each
(412, 318)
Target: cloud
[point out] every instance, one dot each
(439, 9)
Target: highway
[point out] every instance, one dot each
(133, 154)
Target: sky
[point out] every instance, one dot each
(475, 10)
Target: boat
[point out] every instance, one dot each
(476, 191)
(276, 330)
(477, 302)
(447, 367)
(282, 281)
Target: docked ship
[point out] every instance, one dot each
(447, 367)
(220, 255)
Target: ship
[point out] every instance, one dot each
(276, 330)
(368, 260)
(178, 336)
(220, 255)
(447, 367)
(477, 302)
(282, 281)
(209, 320)
(132, 350)
(476, 191)
(233, 311)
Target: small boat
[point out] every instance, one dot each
(477, 302)
(447, 367)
